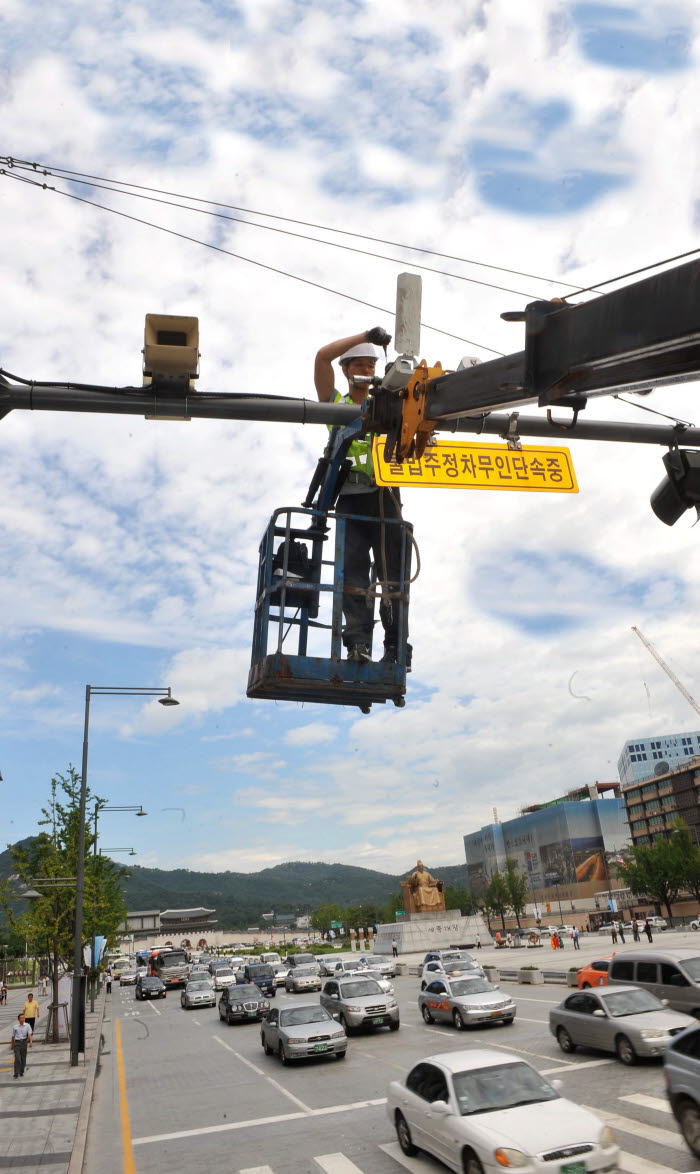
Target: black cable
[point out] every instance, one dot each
(287, 232)
(238, 256)
(644, 408)
(12, 162)
(634, 272)
(136, 390)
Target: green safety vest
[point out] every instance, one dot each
(360, 451)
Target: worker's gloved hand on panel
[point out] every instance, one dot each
(378, 336)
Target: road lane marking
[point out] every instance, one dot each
(531, 999)
(631, 1164)
(337, 1164)
(647, 1102)
(275, 1083)
(540, 1055)
(640, 1128)
(150, 1004)
(393, 1150)
(127, 1151)
(233, 1125)
(199, 1025)
(585, 1064)
(257, 1170)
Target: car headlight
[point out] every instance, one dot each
(337, 1034)
(607, 1138)
(653, 1033)
(391, 1002)
(292, 1040)
(353, 1009)
(510, 1158)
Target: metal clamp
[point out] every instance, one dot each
(511, 433)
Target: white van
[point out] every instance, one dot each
(272, 958)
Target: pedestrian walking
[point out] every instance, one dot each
(395, 947)
(635, 930)
(613, 932)
(44, 985)
(575, 937)
(509, 939)
(621, 932)
(31, 1010)
(478, 941)
(3, 991)
(109, 982)
(20, 1039)
(647, 929)
(553, 941)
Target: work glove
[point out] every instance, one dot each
(378, 336)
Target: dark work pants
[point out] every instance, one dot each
(361, 539)
(20, 1056)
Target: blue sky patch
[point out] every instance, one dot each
(640, 38)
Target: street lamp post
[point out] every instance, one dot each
(164, 697)
(138, 809)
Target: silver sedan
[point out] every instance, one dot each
(465, 1001)
(198, 993)
(302, 1031)
(302, 978)
(623, 1019)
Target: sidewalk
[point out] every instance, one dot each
(43, 1116)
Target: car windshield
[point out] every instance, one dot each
(461, 964)
(692, 968)
(224, 972)
(472, 986)
(501, 1086)
(151, 982)
(296, 1015)
(307, 971)
(240, 993)
(198, 986)
(621, 1003)
(362, 986)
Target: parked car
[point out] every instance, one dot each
(682, 1076)
(243, 1003)
(149, 987)
(198, 993)
(359, 1002)
(302, 978)
(695, 923)
(673, 975)
(624, 1019)
(464, 1002)
(301, 1031)
(483, 1110)
(594, 973)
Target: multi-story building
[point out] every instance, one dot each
(654, 804)
(567, 848)
(642, 758)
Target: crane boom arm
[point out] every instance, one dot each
(669, 672)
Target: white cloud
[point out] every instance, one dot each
(311, 734)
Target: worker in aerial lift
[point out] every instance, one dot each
(358, 355)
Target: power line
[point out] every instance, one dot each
(47, 170)
(238, 256)
(634, 272)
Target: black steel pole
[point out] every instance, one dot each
(94, 877)
(79, 894)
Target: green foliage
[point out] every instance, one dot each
(517, 887)
(659, 870)
(497, 897)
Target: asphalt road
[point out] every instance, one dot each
(203, 1096)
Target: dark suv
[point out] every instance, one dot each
(243, 1003)
(260, 975)
(149, 986)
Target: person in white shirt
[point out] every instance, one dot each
(19, 1041)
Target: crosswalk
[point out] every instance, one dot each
(669, 1139)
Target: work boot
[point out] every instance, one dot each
(391, 655)
(359, 653)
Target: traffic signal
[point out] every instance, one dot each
(680, 489)
(170, 352)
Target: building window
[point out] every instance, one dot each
(656, 821)
(669, 801)
(650, 789)
(654, 805)
(642, 840)
(634, 793)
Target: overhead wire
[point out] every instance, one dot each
(49, 169)
(633, 272)
(11, 174)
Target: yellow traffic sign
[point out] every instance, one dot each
(463, 465)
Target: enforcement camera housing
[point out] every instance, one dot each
(680, 489)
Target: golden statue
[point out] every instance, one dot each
(422, 893)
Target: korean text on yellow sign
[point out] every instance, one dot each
(481, 466)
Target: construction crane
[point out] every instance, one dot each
(669, 672)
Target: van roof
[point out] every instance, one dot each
(681, 954)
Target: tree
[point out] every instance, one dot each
(322, 917)
(691, 857)
(517, 887)
(52, 856)
(497, 897)
(658, 870)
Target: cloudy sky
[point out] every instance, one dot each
(557, 139)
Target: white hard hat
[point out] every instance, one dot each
(364, 350)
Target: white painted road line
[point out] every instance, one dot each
(337, 1164)
(233, 1125)
(275, 1083)
(631, 1164)
(150, 1004)
(640, 1129)
(647, 1102)
(585, 1064)
(257, 1170)
(393, 1150)
(198, 1024)
(540, 1055)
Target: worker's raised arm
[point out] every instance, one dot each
(324, 377)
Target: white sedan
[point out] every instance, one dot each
(481, 1110)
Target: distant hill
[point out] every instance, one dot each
(240, 898)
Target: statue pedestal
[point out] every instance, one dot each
(417, 933)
